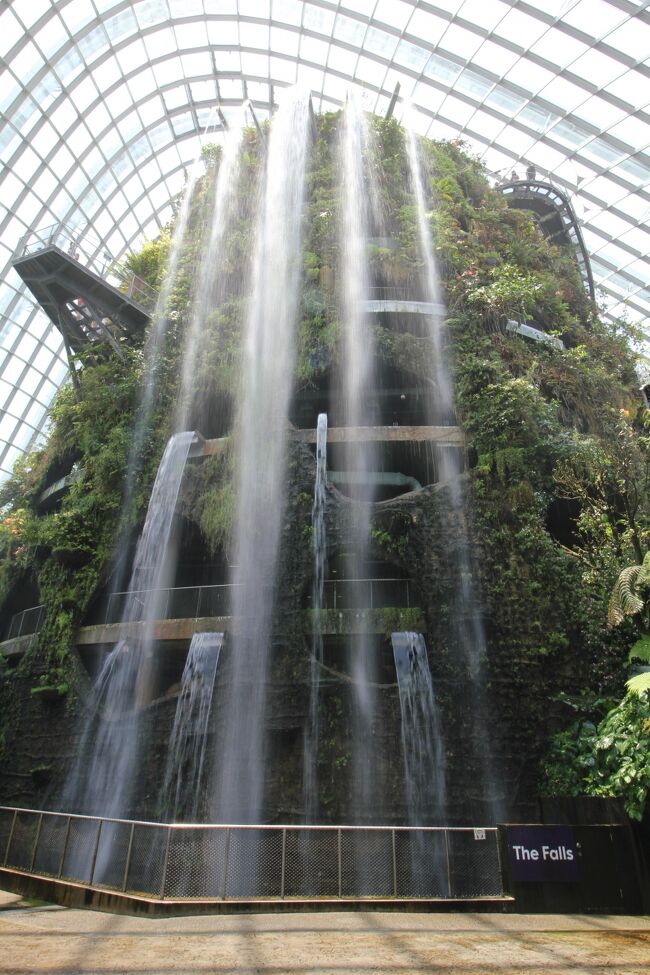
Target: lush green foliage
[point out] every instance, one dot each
(610, 759)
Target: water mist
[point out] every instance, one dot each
(467, 637)
(360, 459)
(262, 428)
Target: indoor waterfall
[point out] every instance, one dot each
(106, 764)
(182, 798)
(208, 290)
(153, 352)
(266, 384)
(235, 781)
(360, 458)
(422, 742)
(319, 550)
(466, 622)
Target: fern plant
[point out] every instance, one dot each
(627, 599)
(640, 651)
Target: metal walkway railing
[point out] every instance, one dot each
(28, 622)
(222, 862)
(193, 602)
(85, 247)
(538, 191)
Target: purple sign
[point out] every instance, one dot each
(543, 854)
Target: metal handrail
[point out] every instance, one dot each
(73, 241)
(16, 624)
(335, 590)
(92, 856)
(117, 597)
(263, 826)
(562, 204)
(332, 587)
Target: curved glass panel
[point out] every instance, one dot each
(104, 104)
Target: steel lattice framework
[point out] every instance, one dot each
(104, 104)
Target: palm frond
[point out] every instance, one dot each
(639, 683)
(644, 573)
(641, 649)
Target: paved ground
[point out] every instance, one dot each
(44, 939)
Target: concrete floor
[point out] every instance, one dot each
(48, 939)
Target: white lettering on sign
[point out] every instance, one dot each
(548, 853)
(557, 853)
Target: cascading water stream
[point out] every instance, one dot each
(467, 633)
(319, 551)
(422, 741)
(209, 286)
(424, 764)
(153, 352)
(261, 463)
(360, 459)
(109, 745)
(102, 778)
(444, 390)
(181, 798)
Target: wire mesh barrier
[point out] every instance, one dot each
(252, 862)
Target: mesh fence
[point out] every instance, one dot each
(80, 850)
(474, 863)
(51, 844)
(421, 863)
(146, 865)
(243, 863)
(113, 854)
(367, 863)
(311, 864)
(6, 821)
(23, 841)
(196, 863)
(254, 863)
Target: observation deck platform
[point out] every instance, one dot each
(71, 287)
(555, 217)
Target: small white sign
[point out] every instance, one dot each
(479, 834)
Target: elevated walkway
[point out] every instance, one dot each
(332, 623)
(530, 332)
(349, 606)
(75, 293)
(55, 491)
(441, 436)
(555, 217)
(403, 306)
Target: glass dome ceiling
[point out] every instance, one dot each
(104, 103)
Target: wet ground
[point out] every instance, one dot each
(38, 939)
